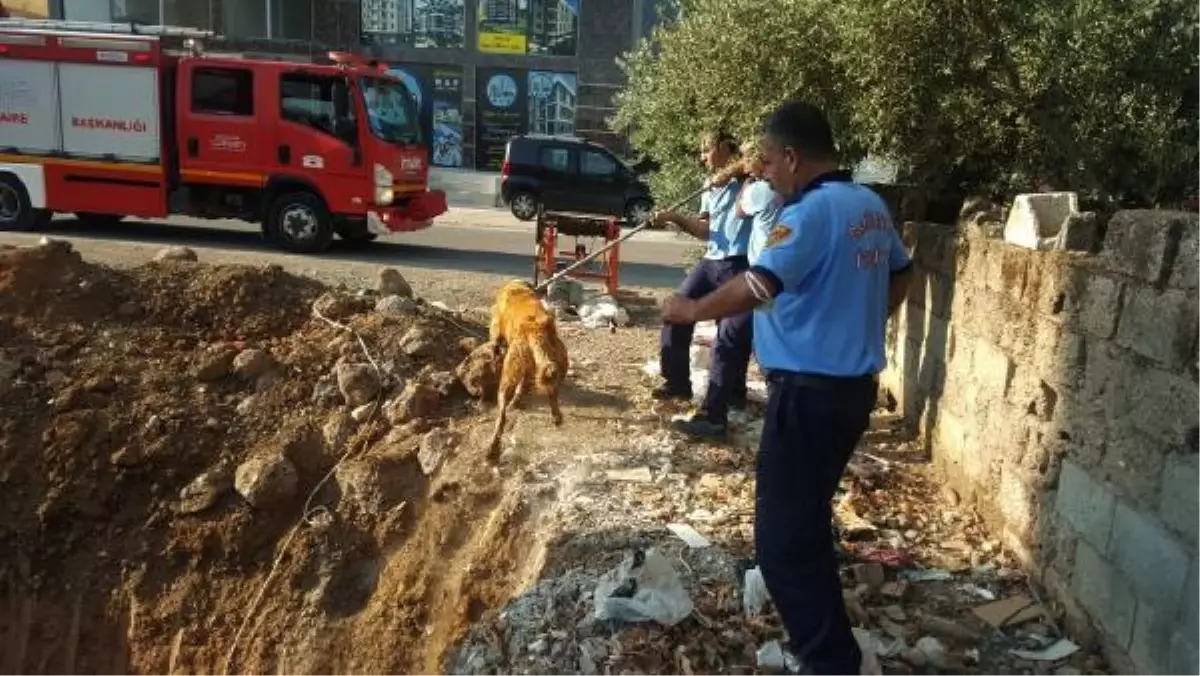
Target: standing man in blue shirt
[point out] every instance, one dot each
(831, 272)
(728, 237)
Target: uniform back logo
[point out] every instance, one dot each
(778, 234)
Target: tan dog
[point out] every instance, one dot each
(534, 354)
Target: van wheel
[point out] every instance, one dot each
(98, 220)
(524, 205)
(16, 212)
(636, 212)
(299, 222)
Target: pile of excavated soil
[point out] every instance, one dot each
(161, 430)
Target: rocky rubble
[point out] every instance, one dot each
(157, 456)
(927, 589)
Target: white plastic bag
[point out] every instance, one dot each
(657, 592)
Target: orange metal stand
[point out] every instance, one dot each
(548, 259)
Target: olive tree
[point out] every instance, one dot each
(966, 96)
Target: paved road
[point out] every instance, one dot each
(472, 240)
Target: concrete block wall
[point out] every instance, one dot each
(1058, 392)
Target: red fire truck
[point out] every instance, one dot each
(110, 120)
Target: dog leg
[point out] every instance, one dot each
(511, 377)
(555, 411)
(502, 405)
(520, 400)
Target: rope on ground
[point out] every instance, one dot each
(308, 512)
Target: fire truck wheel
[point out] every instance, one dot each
(299, 222)
(524, 205)
(16, 213)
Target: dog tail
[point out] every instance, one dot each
(548, 370)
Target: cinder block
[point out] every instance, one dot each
(1164, 405)
(949, 437)
(1014, 271)
(1105, 593)
(1015, 502)
(1184, 275)
(994, 270)
(1059, 355)
(1178, 501)
(993, 369)
(1101, 306)
(1035, 221)
(1087, 505)
(1133, 464)
(941, 288)
(1154, 561)
(1151, 643)
(1143, 243)
(1161, 326)
(1189, 613)
(1184, 654)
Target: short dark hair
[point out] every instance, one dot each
(802, 126)
(720, 138)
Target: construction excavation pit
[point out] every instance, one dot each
(233, 469)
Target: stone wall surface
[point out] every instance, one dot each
(1058, 391)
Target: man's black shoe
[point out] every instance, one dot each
(700, 426)
(666, 393)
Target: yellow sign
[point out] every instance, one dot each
(502, 43)
(27, 9)
(778, 234)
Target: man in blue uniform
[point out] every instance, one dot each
(728, 237)
(831, 272)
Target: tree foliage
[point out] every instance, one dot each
(966, 96)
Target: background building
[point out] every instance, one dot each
(452, 50)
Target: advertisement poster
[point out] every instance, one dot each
(554, 27)
(503, 26)
(552, 103)
(438, 90)
(414, 23)
(545, 27)
(26, 9)
(501, 111)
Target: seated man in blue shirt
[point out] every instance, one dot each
(728, 237)
(830, 273)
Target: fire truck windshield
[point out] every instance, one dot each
(392, 111)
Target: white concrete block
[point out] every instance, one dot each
(1038, 220)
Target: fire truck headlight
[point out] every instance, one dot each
(384, 196)
(383, 177)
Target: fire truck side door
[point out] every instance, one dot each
(220, 124)
(318, 138)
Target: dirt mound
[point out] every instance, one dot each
(155, 461)
(52, 283)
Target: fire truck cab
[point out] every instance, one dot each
(107, 121)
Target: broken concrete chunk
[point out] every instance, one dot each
(204, 491)
(266, 480)
(358, 383)
(389, 282)
(436, 445)
(252, 363)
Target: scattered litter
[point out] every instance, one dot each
(926, 575)
(869, 574)
(771, 656)
(652, 368)
(1060, 649)
(643, 587)
(895, 589)
(1009, 612)
(690, 535)
(635, 475)
(891, 557)
(754, 592)
(982, 592)
(932, 651)
(603, 311)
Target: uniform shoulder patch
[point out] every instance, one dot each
(778, 234)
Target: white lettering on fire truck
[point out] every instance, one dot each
(14, 118)
(228, 142)
(131, 126)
